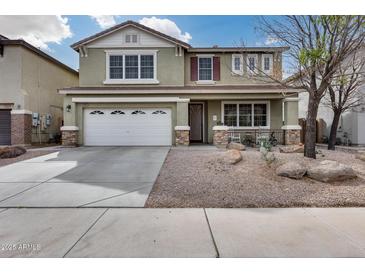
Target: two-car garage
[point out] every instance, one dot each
(127, 127)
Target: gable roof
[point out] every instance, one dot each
(19, 42)
(2, 37)
(123, 25)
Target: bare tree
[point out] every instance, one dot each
(318, 45)
(344, 93)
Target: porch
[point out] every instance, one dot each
(239, 120)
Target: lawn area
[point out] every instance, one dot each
(196, 178)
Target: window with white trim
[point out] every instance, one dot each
(252, 63)
(237, 64)
(246, 114)
(205, 67)
(116, 67)
(267, 63)
(131, 66)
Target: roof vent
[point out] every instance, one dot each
(215, 46)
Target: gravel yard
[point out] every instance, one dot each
(191, 178)
(28, 155)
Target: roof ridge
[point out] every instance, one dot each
(22, 42)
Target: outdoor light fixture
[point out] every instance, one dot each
(68, 108)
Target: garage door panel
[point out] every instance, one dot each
(145, 127)
(5, 127)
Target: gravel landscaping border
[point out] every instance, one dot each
(28, 155)
(191, 178)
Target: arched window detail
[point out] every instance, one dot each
(117, 112)
(96, 112)
(138, 112)
(159, 112)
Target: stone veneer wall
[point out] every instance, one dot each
(70, 137)
(292, 136)
(21, 129)
(182, 137)
(220, 136)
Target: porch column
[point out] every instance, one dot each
(220, 136)
(290, 121)
(182, 128)
(70, 132)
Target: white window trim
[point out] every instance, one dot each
(130, 81)
(269, 71)
(205, 82)
(247, 102)
(248, 63)
(240, 71)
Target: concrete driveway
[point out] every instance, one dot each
(83, 177)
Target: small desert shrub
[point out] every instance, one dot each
(268, 156)
(11, 152)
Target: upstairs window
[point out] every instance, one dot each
(147, 66)
(131, 66)
(252, 63)
(267, 63)
(116, 67)
(237, 61)
(205, 68)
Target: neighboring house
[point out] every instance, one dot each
(351, 127)
(352, 123)
(139, 86)
(30, 107)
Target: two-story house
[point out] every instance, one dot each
(139, 86)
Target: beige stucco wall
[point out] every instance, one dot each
(170, 68)
(10, 76)
(229, 78)
(40, 80)
(291, 113)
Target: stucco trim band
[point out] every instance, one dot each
(69, 128)
(20, 111)
(182, 128)
(129, 100)
(291, 127)
(220, 128)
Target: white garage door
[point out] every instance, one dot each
(127, 127)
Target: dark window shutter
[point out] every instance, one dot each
(216, 68)
(194, 68)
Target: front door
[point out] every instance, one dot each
(196, 122)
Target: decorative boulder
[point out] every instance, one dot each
(361, 155)
(11, 152)
(292, 149)
(232, 156)
(329, 171)
(292, 170)
(236, 146)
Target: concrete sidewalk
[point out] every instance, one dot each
(144, 232)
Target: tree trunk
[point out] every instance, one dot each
(311, 128)
(333, 133)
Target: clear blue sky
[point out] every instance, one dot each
(205, 31)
